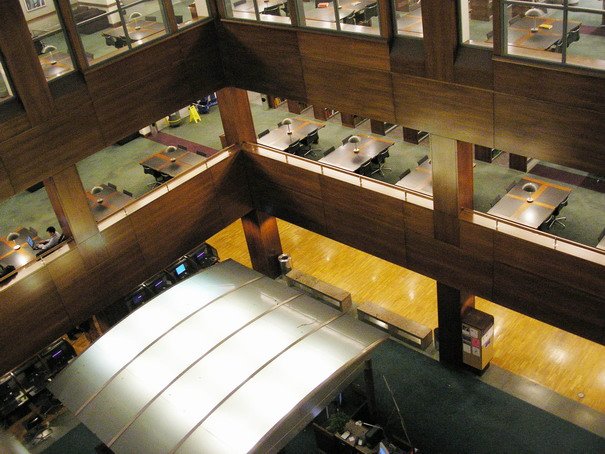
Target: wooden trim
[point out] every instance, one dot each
(170, 17)
(71, 30)
(385, 17)
(263, 242)
(23, 64)
(497, 27)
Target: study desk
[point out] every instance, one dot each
(248, 7)
(345, 158)
(145, 29)
(111, 199)
(62, 66)
(515, 207)
(21, 256)
(420, 179)
(345, 8)
(280, 139)
(172, 163)
(520, 34)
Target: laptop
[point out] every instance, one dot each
(31, 242)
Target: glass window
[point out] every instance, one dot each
(408, 15)
(49, 38)
(261, 10)
(5, 89)
(24, 215)
(563, 32)
(356, 16)
(476, 25)
(187, 12)
(111, 29)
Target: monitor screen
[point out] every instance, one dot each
(30, 241)
(138, 298)
(180, 269)
(382, 449)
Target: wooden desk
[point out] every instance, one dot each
(420, 179)
(146, 29)
(520, 34)
(22, 256)
(280, 139)
(248, 7)
(172, 163)
(345, 158)
(514, 205)
(346, 7)
(62, 66)
(112, 201)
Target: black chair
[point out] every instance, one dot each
(380, 161)
(421, 160)
(179, 19)
(284, 7)
(346, 139)
(151, 18)
(360, 17)
(263, 133)
(404, 174)
(119, 42)
(328, 151)
(371, 11)
(557, 46)
(272, 10)
(367, 169)
(113, 186)
(160, 178)
(496, 200)
(555, 218)
(201, 153)
(182, 147)
(307, 143)
(110, 40)
(128, 193)
(295, 148)
(349, 19)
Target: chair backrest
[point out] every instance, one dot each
(365, 169)
(404, 174)
(128, 193)
(294, 147)
(182, 147)
(62, 238)
(346, 139)
(371, 11)
(113, 186)
(151, 18)
(312, 137)
(384, 154)
(179, 19)
(350, 19)
(272, 10)
(421, 160)
(329, 150)
(263, 133)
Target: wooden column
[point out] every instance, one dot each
(440, 44)
(452, 163)
(23, 64)
(70, 203)
(517, 162)
(170, 17)
(71, 31)
(263, 241)
(236, 116)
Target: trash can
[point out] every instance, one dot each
(264, 100)
(174, 120)
(285, 263)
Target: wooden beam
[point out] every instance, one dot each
(70, 203)
(23, 64)
(440, 18)
(385, 18)
(236, 116)
(263, 241)
(451, 305)
(71, 30)
(170, 17)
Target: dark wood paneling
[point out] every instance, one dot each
(70, 92)
(264, 245)
(474, 67)
(557, 85)
(449, 110)
(569, 136)
(345, 50)
(6, 189)
(295, 207)
(232, 193)
(130, 107)
(440, 43)
(12, 119)
(552, 265)
(367, 93)
(407, 56)
(551, 302)
(53, 145)
(236, 116)
(418, 219)
(119, 237)
(262, 59)
(33, 306)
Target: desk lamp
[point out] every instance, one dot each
(96, 190)
(355, 141)
(287, 122)
(134, 16)
(170, 149)
(50, 49)
(13, 237)
(530, 188)
(534, 13)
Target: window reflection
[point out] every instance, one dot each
(109, 30)
(6, 92)
(355, 16)
(48, 37)
(556, 31)
(408, 14)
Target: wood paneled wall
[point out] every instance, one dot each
(79, 280)
(501, 268)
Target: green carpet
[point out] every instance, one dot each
(79, 440)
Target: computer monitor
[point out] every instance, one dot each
(382, 449)
(158, 283)
(181, 269)
(58, 355)
(138, 297)
(203, 255)
(30, 241)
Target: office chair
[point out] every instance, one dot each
(371, 11)
(404, 174)
(119, 43)
(328, 151)
(366, 169)
(346, 139)
(112, 186)
(307, 143)
(557, 46)
(151, 18)
(272, 10)
(350, 19)
(421, 160)
(179, 19)
(182, 147)
(201, 153)
(496, 200)
(380, 161)
(360, 17)
(295, 148)
(160, 178)
(555, 218)
(110, 40)
(263, 133)
(128, 193)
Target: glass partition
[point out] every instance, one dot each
(115, 27)
(187, 12)
(408, 17)
(355, 16)
(476, 24)
(48, 37)
(261, 10)
(6, 92)
(560, 31)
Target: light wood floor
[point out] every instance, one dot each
(560, 361)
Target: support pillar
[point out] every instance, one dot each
(368, 378)
(263, 241)
(451, 304)
(236, 115)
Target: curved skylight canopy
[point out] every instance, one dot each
(225, 361)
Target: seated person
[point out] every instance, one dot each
(50, 242)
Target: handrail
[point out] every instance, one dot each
(331, 171)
